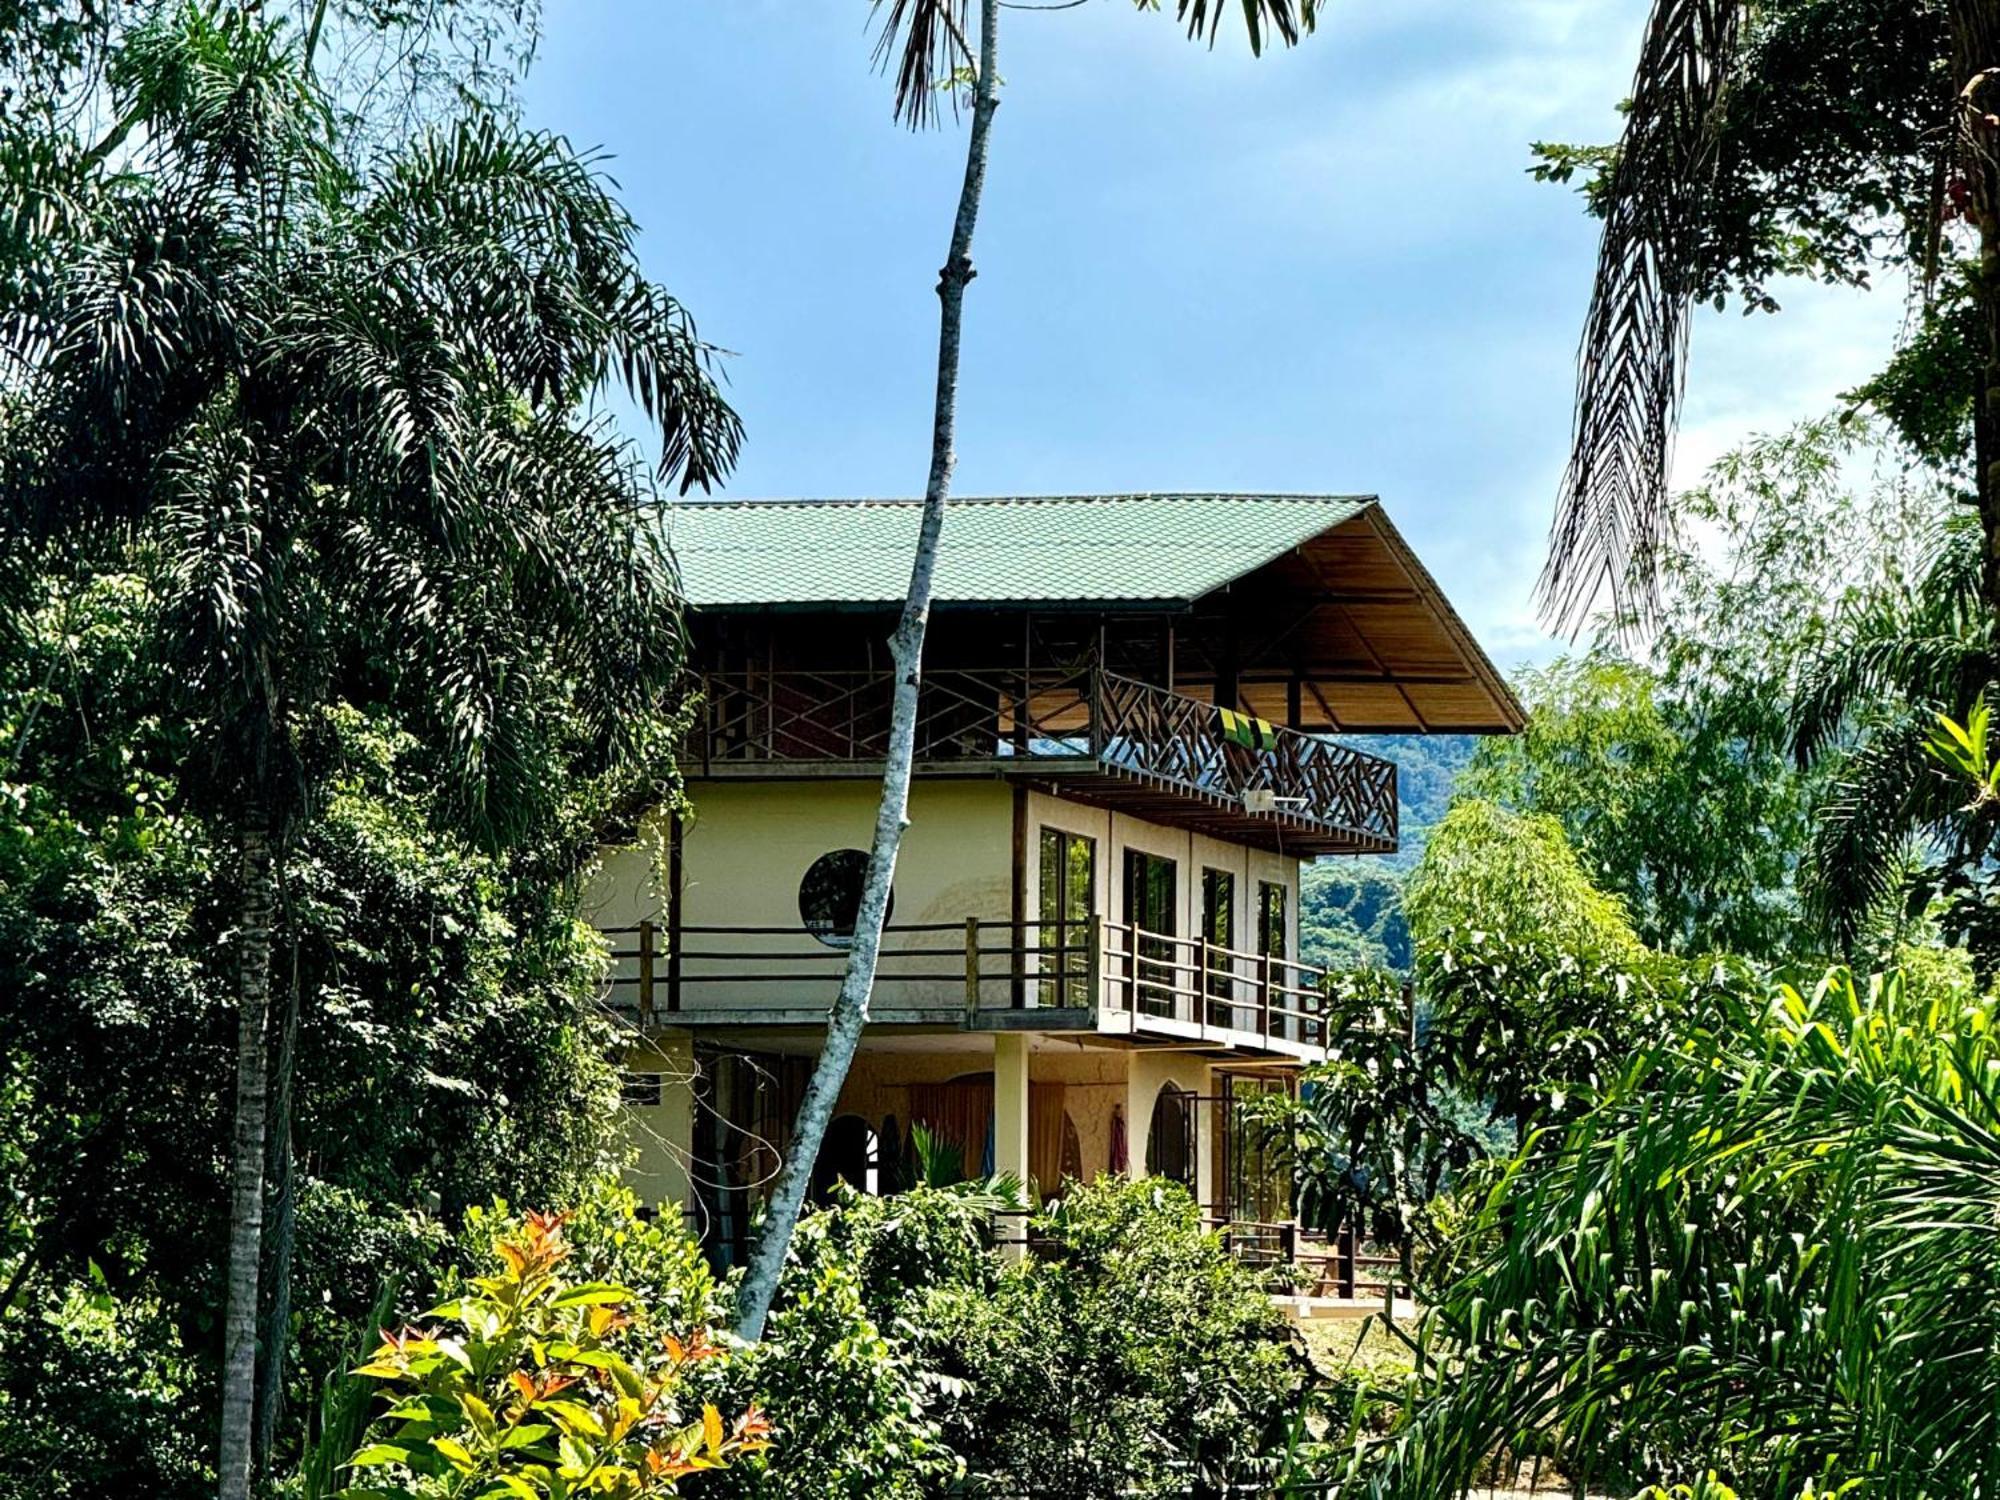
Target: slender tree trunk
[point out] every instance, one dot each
(906, 646)
(1975, 34)
(274, 1341)
(246, 1159)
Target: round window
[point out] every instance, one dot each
(830, 896)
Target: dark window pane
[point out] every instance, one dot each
(1149, 911)
(1218, 925)
(639, 1090)
(830, 896)
(1067, 898)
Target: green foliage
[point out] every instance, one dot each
(854, 1411)
(94, 1401)
(305, 527)
(1375, 1133)
(1696, 832)
(1536, 983)
(1892, 836)
(1131, 1355)
(1744, 782)
(1766, 1251)
(845, 1369)
(538, 1383)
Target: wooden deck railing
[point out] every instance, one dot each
(1203, 985)
(1198, 989)
(1340, 1265)
(963, 713)
(1080, 714)
(1178, 741)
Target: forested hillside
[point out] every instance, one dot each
(1351, 910)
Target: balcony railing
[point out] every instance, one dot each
(1303, 1262)
(1128, 980)
(1006, 717)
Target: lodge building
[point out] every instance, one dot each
(1124, 757)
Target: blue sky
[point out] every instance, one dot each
(1321, 270)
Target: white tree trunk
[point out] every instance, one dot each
(906, 646)
(246, 1206)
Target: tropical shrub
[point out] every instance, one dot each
(1536, 985)
(845, 1370)
(1766, 1251)
(1131, 1355)
(534, 1383)
(1374, 1134)
(94, 1400)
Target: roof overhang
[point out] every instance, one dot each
(1308, 611)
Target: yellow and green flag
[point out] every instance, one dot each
(1248, 731)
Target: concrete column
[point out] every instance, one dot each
(663, 1134)
(1010, 1103)
(1010, 1127)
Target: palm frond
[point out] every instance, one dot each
(224, 100)
(512, 249)
(1286, 20)
(1632, 357)
(924, 45)
(1885, 794)
(1930, 647)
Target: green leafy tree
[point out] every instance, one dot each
(1698, 832)
(300, 400)
(1713, 771)
(1535, 982)
(1375, 1132)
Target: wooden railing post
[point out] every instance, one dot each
(646, 972)
(1203, 999)
(971, 965)
(1093, 960)
(1264, 993)
(1345, 1250)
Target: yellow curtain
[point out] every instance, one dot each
(1045, 1135)
(959, 1114)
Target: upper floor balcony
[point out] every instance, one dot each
(1096, 735)
(1115, 980)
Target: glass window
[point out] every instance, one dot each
(1218, 925)
(1171, 1138)
(1068, 897)
(1271, 925)
(830, 896)
(1257, 1181)
(1151, 901)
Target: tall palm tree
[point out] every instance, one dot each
(1656, 255)
(335, 421)
(926, 44)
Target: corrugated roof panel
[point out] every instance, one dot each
(1060, 548)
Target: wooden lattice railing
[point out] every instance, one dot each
(1007, 715)
(1178, 740)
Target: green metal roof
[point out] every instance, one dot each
(747, 554)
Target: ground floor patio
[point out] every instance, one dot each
(710, 1114)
